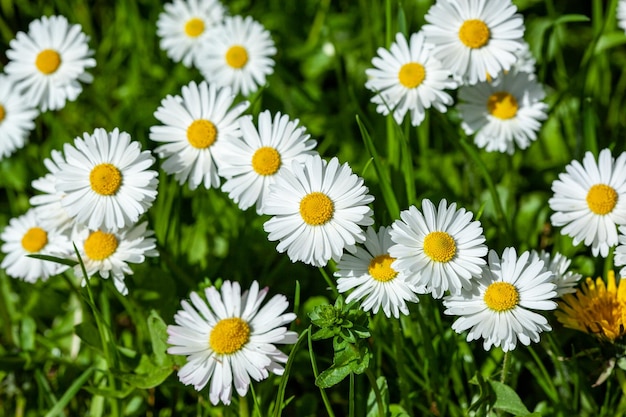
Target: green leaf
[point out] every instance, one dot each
(332, 376)
(610, 40)
(70, 393)
(150, 374)
(507, 399)
(571, 18)
(28, 330)
(69, 262)
(325, 333)
(158, 337)
(372, 405)
(89, 334)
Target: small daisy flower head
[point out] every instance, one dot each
(525, 61)
(48, 63)
(474, 38)
(318, 209)
(590, 200)
(106, 180)
(565, 279)
(407, 77)
(229, 339)
(370, 275)
(252, 163)
(47, 206)
(238, 55)
(505, 112)
(17, 118)
(184, 25)
(25, 236)
(193, 126)
(598, 308)
(620, 251)
(621, 14)
(500, 306)
(442, 247)
(110, 254)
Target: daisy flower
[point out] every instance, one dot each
(525, 61)
(106, 180)
(240, 334)
(253, 162)
(25, 236)
(193, 126)
(621, 14)
(597, 308)
(47, 206)
(620, 251)
(238, 55)
(408, 78)
(48, 63)
(110, 253)
(441, 248)
(318, 209)
(590, 200)
(369, 273)
(16, 118)
(474, 38)
(558, 264)
(504, 112)
(184, 25)
(499, 307)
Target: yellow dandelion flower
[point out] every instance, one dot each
(597, 308)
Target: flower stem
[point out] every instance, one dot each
(506, 364)
(377, 393)
(400, 364)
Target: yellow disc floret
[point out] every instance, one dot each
(100, 245)
(201, 133)
(34, 240)
(380, 268)
(502, 105)
(411, 75)
(105, 179)
(194, 27)
(3, 113)
(501, 296)
(237, 56)
(601, 199)
(439, 246)
(316, 208)
(229, 335)
(474, 33)
(48, 61)
(266, 161)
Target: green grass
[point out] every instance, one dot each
(418, 362)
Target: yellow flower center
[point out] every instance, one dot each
(100, 245)
(501, 296)
(474, 33)
(502, 105)
(3, 113)
(229, 335)
(439, 246)
(34, 239)
(194, 27)
(380, 268)
(316, 208)
(201, 134)
(237, 56)
(266, 161)
(411, 75)
(48, 61)
(601, 199)
(105, 179)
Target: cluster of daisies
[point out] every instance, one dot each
(478, 48)
(99, 187)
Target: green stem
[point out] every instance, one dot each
(377, 393)
(244, 411)
(330, 282)
(501, 216)
(506, 364)
(351, 396)
(403, 382)
(325, 399)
